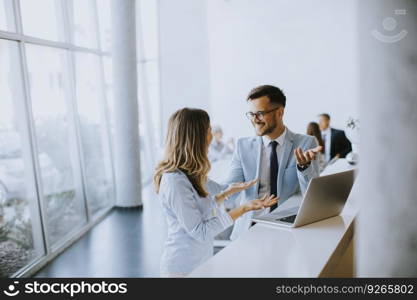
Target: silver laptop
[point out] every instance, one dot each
(325, 197)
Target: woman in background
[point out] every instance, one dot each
(192, 203)
(314, 129)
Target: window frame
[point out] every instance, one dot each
(50, 252)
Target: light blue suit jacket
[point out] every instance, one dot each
(245, 166)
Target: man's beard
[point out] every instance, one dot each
(268, 130)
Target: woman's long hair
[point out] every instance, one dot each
(186, 148)
(314, 129)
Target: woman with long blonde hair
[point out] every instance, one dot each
(193, 203)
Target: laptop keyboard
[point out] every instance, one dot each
(289, 219)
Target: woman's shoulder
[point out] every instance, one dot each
(173, 178)
(174, 184)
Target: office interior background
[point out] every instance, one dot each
(87, 87)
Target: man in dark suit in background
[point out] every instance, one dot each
(335, 141)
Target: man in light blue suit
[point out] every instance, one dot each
(283, 162)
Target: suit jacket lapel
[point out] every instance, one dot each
(332, 142)
(287, 151)
(253, 194)
(258, 152)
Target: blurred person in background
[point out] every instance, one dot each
(313, 129)
(193, 204)
(336, 144)
(218, 149)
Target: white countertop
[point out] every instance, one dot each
(271, 251)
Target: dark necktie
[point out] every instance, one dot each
(273, 167)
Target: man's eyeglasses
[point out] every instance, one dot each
(259, 114)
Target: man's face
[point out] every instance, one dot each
(323, 123)
(270, 120)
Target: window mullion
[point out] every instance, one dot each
(66, 13)
(18, 16)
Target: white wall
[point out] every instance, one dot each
(306, 47)
(184, 56)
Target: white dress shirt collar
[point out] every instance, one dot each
(326, 132)
(327, 135)
(266, 140)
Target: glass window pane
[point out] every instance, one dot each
(152, 86)
(7, 21)
(146, 142)
(20, 231)
(149, 27)
(95, 143)
(42, 19)
(152, 72)
(148, 34)
(149, 126)
(104, 17)
(84, 23)
(108, 81)
(56, 143)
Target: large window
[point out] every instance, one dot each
(56, 144)
(56, 103)
(20, 238)
(56, 173)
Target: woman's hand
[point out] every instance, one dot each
(239, 186)
(234, 188)
(256, 204)
(265, 201)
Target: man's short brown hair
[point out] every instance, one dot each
(274, 94)
(327, 116)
